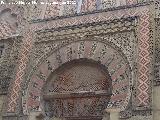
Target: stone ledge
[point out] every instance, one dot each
(117, 110)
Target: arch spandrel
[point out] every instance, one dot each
(117, 64)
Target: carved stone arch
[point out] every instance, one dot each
(80, 82)
(117, 64)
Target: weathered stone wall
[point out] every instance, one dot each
(2, 97)
(140, 118)
(156, 88)
(120, 22)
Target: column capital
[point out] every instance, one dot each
(114, 113)
(111, 110)
(36, 116)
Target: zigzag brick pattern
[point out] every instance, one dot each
(143, 62)
(95, 51)
(16, 86)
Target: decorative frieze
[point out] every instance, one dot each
(157, 54)
(157, 9)
(89, 49)
(59, 8)
(8, 61)
(127, 34)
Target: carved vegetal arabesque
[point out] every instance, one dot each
(157, 54)
(10, 16)
(8, 23)
(65, 8)
(39, 51)
(157, 9)
(126, 41)
(8, 62)
(11, 20)
(49, 41)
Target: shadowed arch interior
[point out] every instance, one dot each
(79, 89)
(102, 54)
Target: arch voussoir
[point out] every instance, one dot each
(117, 65)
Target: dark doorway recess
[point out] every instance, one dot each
(78, 90)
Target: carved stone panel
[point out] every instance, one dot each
(9, 49)
(157, 54)
(8, 23)
(79, 89)
(118, 69)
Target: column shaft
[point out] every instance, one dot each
(114, 113)
(156, 103)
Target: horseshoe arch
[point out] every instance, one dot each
(113, 59)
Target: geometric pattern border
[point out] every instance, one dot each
(93, 50)
(143, 40)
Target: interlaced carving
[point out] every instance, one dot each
(110, 32)
(157, 54)
(157, 8)
(1, 50)
(8, 23)
(9, 49)
(79, 81)
(80, 49)
(65, 9)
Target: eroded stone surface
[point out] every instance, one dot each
(120, 34)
